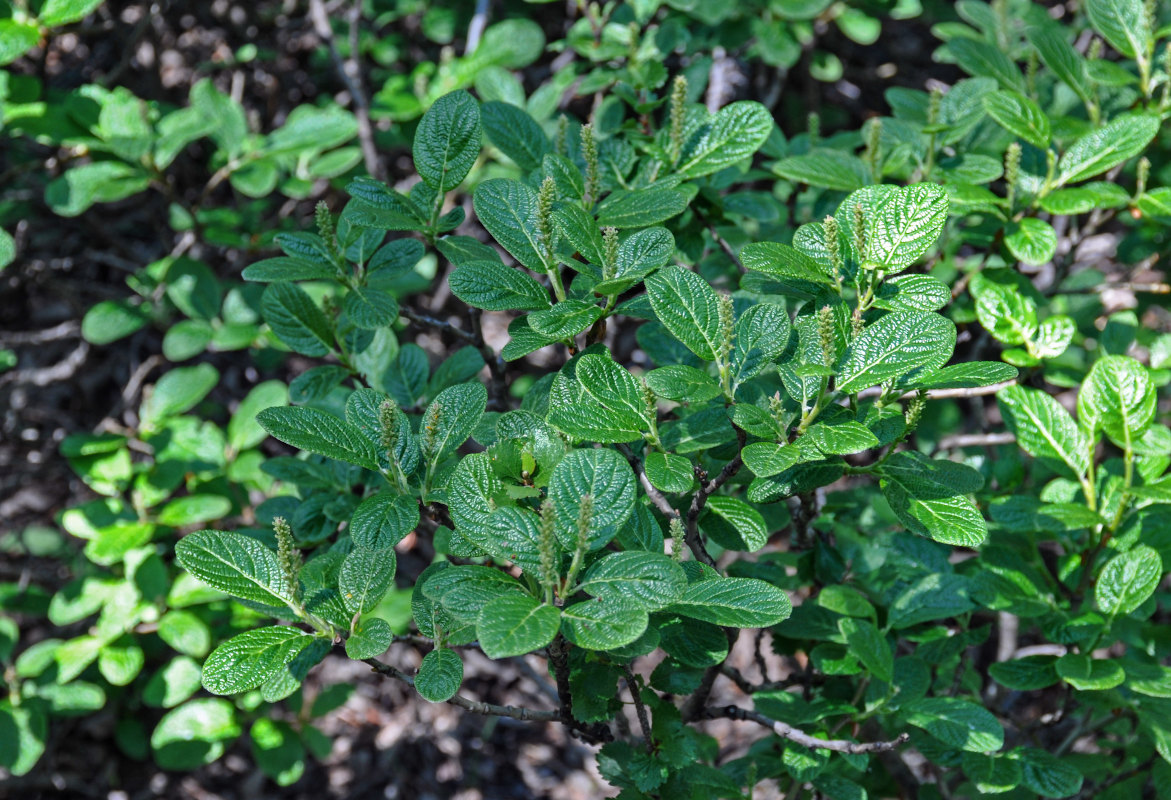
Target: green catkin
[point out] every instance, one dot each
(1143, 174)
(545, 199)
(325, 229)
(678, 115)
(678, 538)
(430, 429)
(585, 514)
(1012, 171)
(1031, 67)
(610, 252)
(825, 332)
(860, 232)
(388, 426)
(830, 242)
(813, 126)
(776, 407)
(589, 149)
(873, 154)
(560, 143)
(727, 314)
(1094, 51)
(289, 557)
(934, 103)
(547, 528)
(914, 411)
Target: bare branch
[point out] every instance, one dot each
(699, 501)
(975, 440)
(797, 736)
(476, 27)
(446, 327)
(644, 721)
(475, 706)
(657, 497)
(943, 394)
(351, 76)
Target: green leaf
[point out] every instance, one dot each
(1123, 23)
(457, 411)
(992, 774)
(1044, 429)
(893, 346)
(982, 59)
(1032, 241)
(766, 459)
(516, 624)
(1113, 143)
(1088, 674)
(603, 624)
(383, 520)
(465, 590)
(321, 433)
(284, 268)
(734, 602)
(1019, 116)
(23, 732)
(244, 432)
(370, 638)
(689, 308)
(930, 498)
(904, 225)
(784, 262)
(440, 675)
(364, 577)
(516, 134)
(194, 734)
(185, 632)
(1128, 580)
(565, 319)
(957, 723)
(61, 12)
(639, 208)
(668, 472)
(1059, 56)
(829, 169)
(731, 135)
(1154, 203)
(251, 658)
(177, 391)
(1046, 774)
(111, 320)
(233, 563)
(1119, 398)
(573, 411)
(296, 320)
(607, 478)
(447, 141)
(869, 646)
(682, 383)
(749, 531)
(508, 209)
(369, 308)
(911, 292)
(278, 751)
(651, 581)
(1025, 674)
(842, 438)
(194, 509)
(97, 182)
(612, 386)
(494, 287)
(968, 375)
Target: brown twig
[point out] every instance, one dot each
(944, 394)
(644, 721)
(657, 497)
(797, 736)
(699, 501)
(351, 77)
(559, 659)
(475, 706)
(974, 440)
(447, 327)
